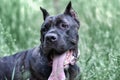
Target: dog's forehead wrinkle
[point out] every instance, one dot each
(57, 18)
(61, 19)
(49, 19)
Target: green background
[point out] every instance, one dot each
(99, 32)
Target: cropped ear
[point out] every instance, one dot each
(69, 11)
(45, 13)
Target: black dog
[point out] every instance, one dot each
(58, 34)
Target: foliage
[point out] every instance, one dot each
(99, 43)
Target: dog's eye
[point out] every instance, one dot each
(44, 30)
(64, 26)
(47, 26)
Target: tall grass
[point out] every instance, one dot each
(100, 39)
(99, 32)
(7, 43)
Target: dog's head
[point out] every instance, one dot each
(60, 33)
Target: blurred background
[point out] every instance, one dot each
(99, 42)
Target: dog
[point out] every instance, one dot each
(59, 38)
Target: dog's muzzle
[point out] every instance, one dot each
(51, 38)
(61, 62)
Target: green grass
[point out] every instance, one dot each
(99, 42)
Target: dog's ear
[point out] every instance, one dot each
(45, 13)
(69, 11)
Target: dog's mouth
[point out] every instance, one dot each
(61, 62)
(70, 59)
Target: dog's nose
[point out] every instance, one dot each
(51, 37)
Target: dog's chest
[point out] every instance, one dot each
(40, 66)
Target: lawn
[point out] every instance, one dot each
(99, 33)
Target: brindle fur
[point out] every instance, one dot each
(34, 64)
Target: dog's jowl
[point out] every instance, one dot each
(55, 58)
